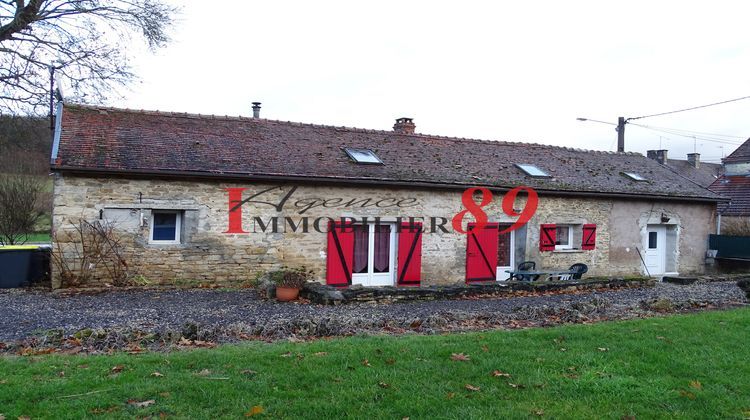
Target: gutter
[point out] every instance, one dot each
(58, 130)
(172, 174)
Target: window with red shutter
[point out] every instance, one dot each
(410, 254)
(547, 234)
(589, 237)
(481, 253)
(340, 254)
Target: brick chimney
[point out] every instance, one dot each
(694, 159)
(657, 155)
(404, 125)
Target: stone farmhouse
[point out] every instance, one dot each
(735, 185)
(222, 199)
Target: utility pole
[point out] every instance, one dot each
(621, 134)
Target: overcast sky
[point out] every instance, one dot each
(516, 71)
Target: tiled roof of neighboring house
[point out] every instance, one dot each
(146, 142)
(737, 188)
(741, 155)
(704, 175)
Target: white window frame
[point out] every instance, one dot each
(178, 227)
(570, 237)
(370, 278)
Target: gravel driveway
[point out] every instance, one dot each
(231, 315)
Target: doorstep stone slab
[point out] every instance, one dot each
(329, 295)
(679, 280)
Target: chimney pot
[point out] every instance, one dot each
(657, 155)
(256, 109)
(694, 159)
(404, 125)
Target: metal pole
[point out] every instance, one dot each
(621, 134)
(52, 98)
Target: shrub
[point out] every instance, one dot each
(291, 277)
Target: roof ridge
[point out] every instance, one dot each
(352, 129)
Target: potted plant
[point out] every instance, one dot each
(289, 281)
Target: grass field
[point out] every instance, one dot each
(686, 366)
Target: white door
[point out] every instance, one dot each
(656, 237)
(374, 254)
(505, 253)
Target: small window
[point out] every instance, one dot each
(652, 240)
(532, 170)
(634, 176)
(564, 237)
(165, 227)
(366, 156)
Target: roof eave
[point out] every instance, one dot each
(358, 181)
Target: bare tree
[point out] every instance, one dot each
(84, 41)
(19, 210)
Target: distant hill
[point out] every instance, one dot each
(25, 145)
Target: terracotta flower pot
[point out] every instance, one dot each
(285, 294)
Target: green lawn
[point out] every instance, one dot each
(687, 366)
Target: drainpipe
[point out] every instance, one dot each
(718, 224)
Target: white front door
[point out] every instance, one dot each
(505, 253)
(374, 254)
(656, 237)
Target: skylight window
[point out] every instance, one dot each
(365, 156)
(634, 176)
(532, 170)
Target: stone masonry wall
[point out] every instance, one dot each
(208, 255)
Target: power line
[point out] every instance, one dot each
(694, 137)
(698, 132)
(689, 109)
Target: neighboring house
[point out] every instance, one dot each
(702, 173)
(735, 184)
(168, 180)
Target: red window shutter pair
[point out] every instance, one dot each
(481, 253)
(547, 237)
(548, 232)
(341, 254)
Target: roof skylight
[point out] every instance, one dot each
(634, 176)
(365, 156)
(532, 170)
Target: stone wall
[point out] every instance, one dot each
(208, 255)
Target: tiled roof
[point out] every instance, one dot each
(116, 140)
(736, 188)
(704, 175)
(741, 155)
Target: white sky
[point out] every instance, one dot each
(517, 71)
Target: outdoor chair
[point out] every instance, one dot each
(526, 266)
(578, 270)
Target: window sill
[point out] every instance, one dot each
(568, 251)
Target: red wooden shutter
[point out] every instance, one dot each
(340, 254)
(481, 253)
(547, 234)
(410, 254)
(589, 237)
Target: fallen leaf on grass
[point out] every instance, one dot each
(471, 387)
(563, 349)
(141, 404)
(24, 418)
(485, 349)
(287, 354)
(538, 412)
(204, 372)
(696, 385)
(450, 395)
(518, 386)
(687, 394)
(321, 353)
(254, 411)
(366, 363)
(602, 348)
(157, 374)
(117, 369)
(61, 373)
(500, 373)
(249, 372)
(384, 385)
(103, 410)
(460, 357)
(390, 362)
